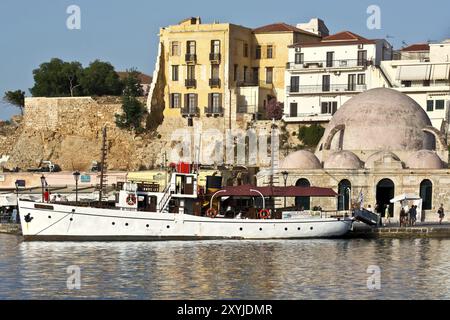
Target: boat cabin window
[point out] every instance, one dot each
(147, 203)
(184, 184)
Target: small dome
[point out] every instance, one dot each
(424, 159)
(343, 160)
(381, 156)
(301, 159)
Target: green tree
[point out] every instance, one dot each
(133, 109)
(100, 79)
(132, 85)
(57, 79)
(16, 98)
(310, 136)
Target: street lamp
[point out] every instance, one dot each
(285, 176)
(42, 186)
(76, 176)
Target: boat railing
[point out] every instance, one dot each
(324, 214)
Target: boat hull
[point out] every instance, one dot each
(52, 222)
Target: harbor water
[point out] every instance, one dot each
(295, 269)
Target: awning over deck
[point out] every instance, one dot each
(291, 191)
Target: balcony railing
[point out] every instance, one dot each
(214, 57)
(214, 83)
(214, 111)
(191, 58)
(344, 63)
(308, 115)
(330, 88)
(248, 83)
(190, 83)
(190, 112)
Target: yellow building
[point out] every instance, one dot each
(222, 70)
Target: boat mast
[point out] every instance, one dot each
(104, 152)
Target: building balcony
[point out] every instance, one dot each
(214, 83)
(214, 111)
(215, 58)
(190, 83)
(324, 64)
(190, 112)
(247, 83)
(307, 117)
(191, 58)
(335, 88)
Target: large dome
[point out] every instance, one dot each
(378, 119)
(301, 159)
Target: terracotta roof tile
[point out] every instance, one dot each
(417, 47)
(281, 27)
(144, 78)
(340, 38)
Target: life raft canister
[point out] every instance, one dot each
(211, 212)
(131, 199)
(264, 214)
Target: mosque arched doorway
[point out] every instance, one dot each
(426, 193)
(303, 202)
(344, 192)
(385, 192)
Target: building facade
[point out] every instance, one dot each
(222, 70)
(322, 76)
(424, 75)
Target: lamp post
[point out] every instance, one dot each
(42, 186)
(76, 176)
(285, 176)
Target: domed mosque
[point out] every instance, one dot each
(379, 144)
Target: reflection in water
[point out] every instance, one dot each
(300, 269)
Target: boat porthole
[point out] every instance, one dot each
(240, 229)
(147, 226)
(113, 223)
(311, 228)
(260, 229)
(298, 228)
(126, 224)
(49, 217)
(285, 229)
(168, 227)
(71, 219)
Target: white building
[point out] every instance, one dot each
(324, 75)
(425, 77)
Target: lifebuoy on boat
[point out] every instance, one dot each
(264, 214)
(131, 199)
(211, 212)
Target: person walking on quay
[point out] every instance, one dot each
(412, 215)
(441, 213)
(403, 215)
(387, 215)
(377, 211)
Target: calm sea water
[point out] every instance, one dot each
(300, 269)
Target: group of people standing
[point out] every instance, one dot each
(408, 217)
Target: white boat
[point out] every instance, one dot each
(141, 215)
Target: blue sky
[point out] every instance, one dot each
(125, 32)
